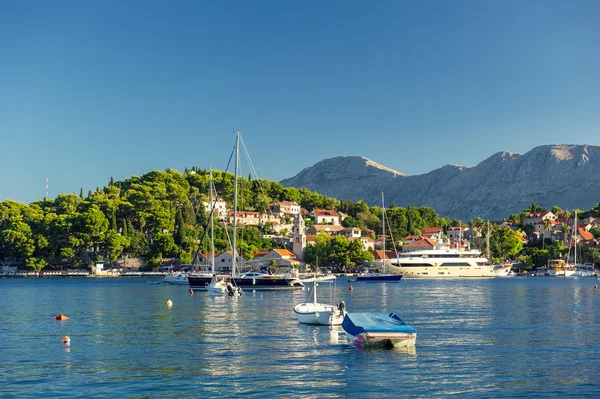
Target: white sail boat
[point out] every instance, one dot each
(320, 313)
(381, 277)
(216, 287)
(577, 270)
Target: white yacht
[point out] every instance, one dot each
(441, 263)
(503, 270)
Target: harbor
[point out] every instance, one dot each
(477, 338)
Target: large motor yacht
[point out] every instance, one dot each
(441, 262)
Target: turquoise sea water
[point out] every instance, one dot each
(519, 337)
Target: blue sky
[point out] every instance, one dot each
(90, 90)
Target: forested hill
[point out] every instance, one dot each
(161, 215)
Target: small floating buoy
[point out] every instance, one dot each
(191, 291)
(351, 288)
(595, 286)
(66, 340)
(61, 317)
(169, 303)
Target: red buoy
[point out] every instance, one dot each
(61, 317)
(351, 288)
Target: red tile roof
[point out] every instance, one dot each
(424, 242)
(325, 212)
(378, 254)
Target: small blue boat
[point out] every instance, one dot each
(374, 328)
(379, 278)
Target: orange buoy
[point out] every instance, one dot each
(66, 340)
(61, 317)
(595, 286)
(351, 288)
(191, 291)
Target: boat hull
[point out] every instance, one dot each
(379, 278)
(378, 329)
(441, 271)
(199, 282)
(318, 314)
(502, 270)
(268, 283)
(394, 340)
(176, 279)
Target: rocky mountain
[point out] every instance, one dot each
(564, 175)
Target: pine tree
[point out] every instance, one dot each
(81, 193)
(124, 232)
(113, 222)
(178, 237)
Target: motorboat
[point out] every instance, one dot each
(324, 277)
(378, 329)
(221, 287)
(319, 313)
(584, 270)
(503, 270)
(176, 278)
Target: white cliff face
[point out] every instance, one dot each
(564, 175)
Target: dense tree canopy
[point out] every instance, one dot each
(162, 215)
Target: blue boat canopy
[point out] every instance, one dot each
(357, 323)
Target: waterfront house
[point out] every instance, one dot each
(224, 261)
(283, 258)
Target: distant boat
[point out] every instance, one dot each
(380, 277)
(503, 270)
(257, 280)
(383, 329)
(176, 278)
(319, 313)
(326, 277)
(217, 287)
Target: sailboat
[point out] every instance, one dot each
(578, 270)
(254, 280)
(320, 313)
(217, 287)
(381, 277)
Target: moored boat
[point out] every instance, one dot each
(379, 278)
(442, 263)
(503, 270)
(256, 280)
(319, 313)
(384, 329)
(176, 278)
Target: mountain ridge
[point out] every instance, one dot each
(566, 175)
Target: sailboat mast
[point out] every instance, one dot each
(574, 237)
(383, 229)
(212, 225)
(235, 188)
(487, 238)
